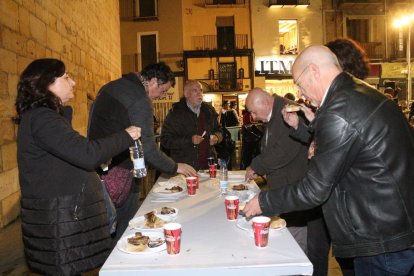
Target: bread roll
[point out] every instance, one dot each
(277, 222)
(292, 108)
(135, 248)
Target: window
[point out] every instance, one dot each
(227, 76)
(225, 32)
(358, 29)
(288, 37)
(369, 31)
(147, 8)
(147, 49)
(138, 10)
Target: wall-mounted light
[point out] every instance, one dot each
(288, 3)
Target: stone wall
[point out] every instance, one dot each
(85, 34)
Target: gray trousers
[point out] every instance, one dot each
(300, 233)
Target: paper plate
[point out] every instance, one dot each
(121, 245)
(167, 217)
(244, 224)
(139, 224)
(203, 173)
(161, 191)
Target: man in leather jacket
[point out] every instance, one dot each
(362, 172)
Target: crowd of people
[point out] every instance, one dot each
(340, 176)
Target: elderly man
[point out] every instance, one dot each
(362, 172)
(282, 159)
(191, 128)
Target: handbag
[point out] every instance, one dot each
(118, 182)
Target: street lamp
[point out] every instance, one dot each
(399, 23)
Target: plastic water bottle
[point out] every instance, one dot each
(223, 176)
(137, 157)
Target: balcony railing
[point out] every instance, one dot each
(374, 50)
(209, 42)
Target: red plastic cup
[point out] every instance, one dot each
(197, 183)
(232, 207)
(212, 169)
(191, 185)
(261, 230)
(172, 233)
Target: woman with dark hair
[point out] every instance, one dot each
(64, 220)
(351, 56)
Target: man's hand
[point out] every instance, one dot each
(311, 150)
(213, 139)
(308, 112)
(197, 139)
(291, 118)
(252, 208)
(185, 169)
(250, 174)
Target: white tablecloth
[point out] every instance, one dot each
(210, 244)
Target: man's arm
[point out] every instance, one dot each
(141, 114)
(337, 148)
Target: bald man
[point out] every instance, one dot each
(282, 159)
(191, 128)
(362, 172)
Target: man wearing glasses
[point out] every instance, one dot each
(128, 101)
(362, 171)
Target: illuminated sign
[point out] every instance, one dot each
(280, 66)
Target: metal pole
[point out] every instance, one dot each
(409, 84)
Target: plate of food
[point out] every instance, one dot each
(142, 243)
(166, 188)
(204, 173)
(239, 187)
(167, 213)
(149, 221)
(178, 180)
(276, 223)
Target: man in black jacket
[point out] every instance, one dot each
(128, 101)
(191, 128)
(362, 172)
(282, 159)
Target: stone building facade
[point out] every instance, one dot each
(85, 35)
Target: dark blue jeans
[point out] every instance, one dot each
(387, 264)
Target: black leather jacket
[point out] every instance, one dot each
(362, 172)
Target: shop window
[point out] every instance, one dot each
(288, 37)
